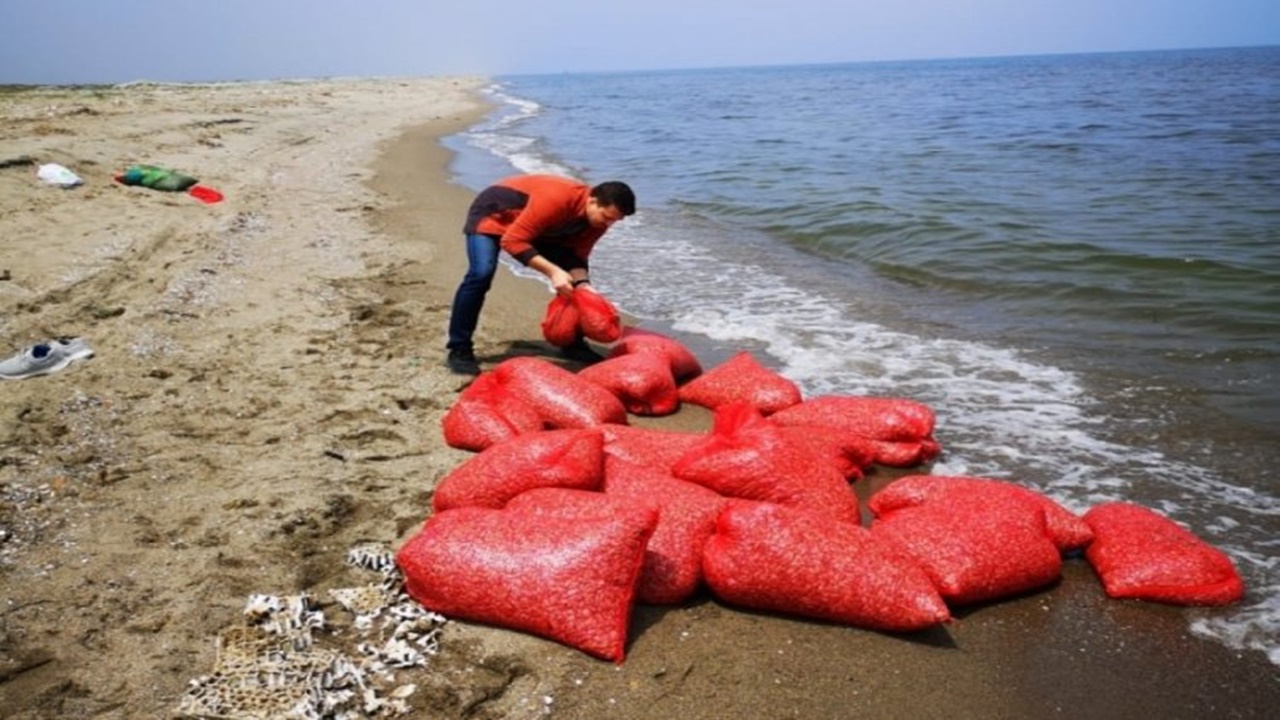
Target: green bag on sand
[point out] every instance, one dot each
(156, 178)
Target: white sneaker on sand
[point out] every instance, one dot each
(44, 358)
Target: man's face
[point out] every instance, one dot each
(602, 216)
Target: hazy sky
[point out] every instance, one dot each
(108, 41)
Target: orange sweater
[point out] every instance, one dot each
(537, 215)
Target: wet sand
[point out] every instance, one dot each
(267, 393)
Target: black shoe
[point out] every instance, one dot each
(581, 352)
(463, 361)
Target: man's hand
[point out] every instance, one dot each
(561, 281)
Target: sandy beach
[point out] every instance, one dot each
(266, 394)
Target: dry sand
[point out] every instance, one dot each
(267, 393)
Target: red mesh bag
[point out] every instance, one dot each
(562, 399)
(485, 413)
(560, 323)
(902, 429)
(767, 557)
(1067, 530)
(597, 317)
(746, 456)
(976, 549)
(650, 447)
(871, 417)
(577, 503)
(551, 458)
(848, 454)
(741, 379)
(568, 578)
(1141, 554)
(687, 518)
(684, 364)
(643, 383)
(905, 454)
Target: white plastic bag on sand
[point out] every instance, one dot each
(55, 174)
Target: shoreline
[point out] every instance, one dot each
(1122, 658)
(271, 395)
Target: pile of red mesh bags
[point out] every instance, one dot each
(552, 458)
(569, 576)
(568, 515)
(900, 430)
(746, 456)
(767, 557)
(984, 544)
(741, 379)
(1139, 553)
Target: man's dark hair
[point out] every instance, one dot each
(616, 194)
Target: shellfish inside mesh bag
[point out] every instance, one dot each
(741, 379)
(687, 514)
(561, 398)
(902, 429)
(745, 456)
(1067, 530)
(848, 454)
(768, 557)
(569, 578)
(547, 458)
(1139, 553)
(642, 382)
(684, 364)
(976, 548)
(560, 322)
(649, 447)
(597, 316)
(486, 413)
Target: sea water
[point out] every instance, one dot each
(1074, 260)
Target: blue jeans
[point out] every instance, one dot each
(482, 254)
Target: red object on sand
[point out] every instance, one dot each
(687, 515)
(742, 378)
(684, 365)
(901, 429)
(205, 194)
(568, 576)
(643, 382)
(571, 458)
(560, 323)
(561, 398)
(746, 456)
(768, 557)
(976, 547)
(485, 413)
(1139, 553)
(650, 447)
(1066, 529)
(597, 317)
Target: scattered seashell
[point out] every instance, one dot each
(271, 667)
